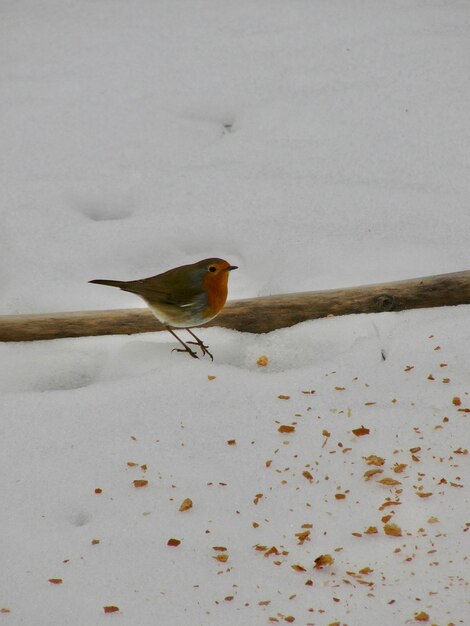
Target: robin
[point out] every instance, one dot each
(186, 296)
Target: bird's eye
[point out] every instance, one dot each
(212, 268)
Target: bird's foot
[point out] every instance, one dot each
(188, 350)
(203, 347)
(185, 347)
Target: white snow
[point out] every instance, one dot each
(315, 145)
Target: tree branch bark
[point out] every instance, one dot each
(254, 315)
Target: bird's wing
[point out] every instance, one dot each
(167, 290)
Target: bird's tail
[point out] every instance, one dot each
(112, 283)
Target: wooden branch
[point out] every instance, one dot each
(254, 315)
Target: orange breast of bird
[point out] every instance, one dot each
(215, 286)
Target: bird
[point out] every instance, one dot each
(183, 297)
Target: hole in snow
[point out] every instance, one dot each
(80, 518)
(47, 366)
(103, 212)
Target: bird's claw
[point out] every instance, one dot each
(188, 350)
(204, 348)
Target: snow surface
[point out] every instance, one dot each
(315, 145)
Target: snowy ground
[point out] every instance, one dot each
(315, 145)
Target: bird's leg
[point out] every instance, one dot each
(185, 348)
(198, 342)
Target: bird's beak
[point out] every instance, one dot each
(232, 267)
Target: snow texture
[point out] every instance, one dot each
(315, 145)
